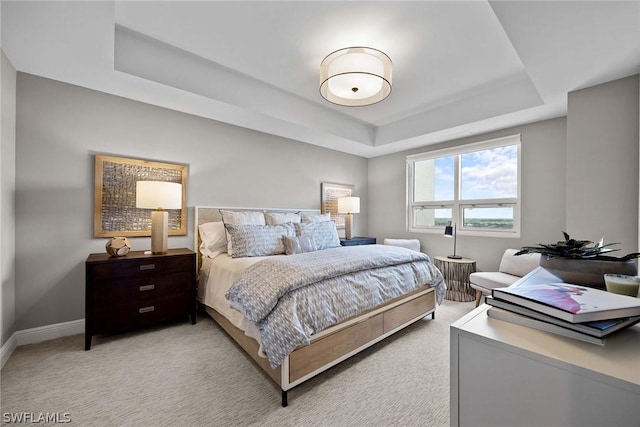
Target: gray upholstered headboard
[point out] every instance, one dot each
(205, 214)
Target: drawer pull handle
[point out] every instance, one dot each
(147, 267)
(146, 309)
(147, 288)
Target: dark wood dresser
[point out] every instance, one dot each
(138, 290)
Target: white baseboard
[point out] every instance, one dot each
(40, 334)
(7, 349)
(49, 332)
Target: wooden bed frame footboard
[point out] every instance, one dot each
(335, 344)
(339, 342)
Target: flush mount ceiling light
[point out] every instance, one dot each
(355, 76)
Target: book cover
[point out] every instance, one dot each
(572, 303)
(509, 316)
(598, 328)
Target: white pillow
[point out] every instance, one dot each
(240, 218)
(316, 218)
(276, 218)
(213, 238)
(324, 233)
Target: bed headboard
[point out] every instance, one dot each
(212, 214)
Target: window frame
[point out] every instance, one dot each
(456, 205)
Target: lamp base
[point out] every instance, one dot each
(454, 256)
(348, 225)
(159, 232)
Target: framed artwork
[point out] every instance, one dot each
(115, 212)
(329, 200)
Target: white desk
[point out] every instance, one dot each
(504, 374)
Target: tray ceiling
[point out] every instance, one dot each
(459, 68)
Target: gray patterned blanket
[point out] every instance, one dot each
(290, 298)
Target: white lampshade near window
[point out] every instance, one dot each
(355, 76)
(159, 195)
(348, 206)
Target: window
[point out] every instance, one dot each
(476, 186)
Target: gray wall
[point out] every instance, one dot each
(579, 174)
(7, 205)
(542, 189)
(602, 163)
(59, 129)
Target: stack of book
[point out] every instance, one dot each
(574, 311)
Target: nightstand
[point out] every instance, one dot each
(456, 273)
(138, 290)
(356, 241)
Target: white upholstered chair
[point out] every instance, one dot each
(413, 244)
(511, 269)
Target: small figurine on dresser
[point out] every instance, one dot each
(118, 246)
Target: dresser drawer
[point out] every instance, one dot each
(142, 267)
(138, 314)
(140, 288)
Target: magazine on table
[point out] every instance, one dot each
(569, 302)
(597, 328)
(509, 316)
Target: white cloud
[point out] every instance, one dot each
(490, 173)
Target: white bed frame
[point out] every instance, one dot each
(335, 344)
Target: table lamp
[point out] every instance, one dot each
(348, 206)
(450, 231)
(159, 195)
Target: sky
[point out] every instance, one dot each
(485, 174)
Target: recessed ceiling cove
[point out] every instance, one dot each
(453, 63)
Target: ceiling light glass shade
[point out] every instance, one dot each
(355, 76)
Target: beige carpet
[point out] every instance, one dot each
(195, 375)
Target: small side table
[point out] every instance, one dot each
(456, 274)
(356, 241)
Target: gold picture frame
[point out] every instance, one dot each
(115, 212)
(330, 193)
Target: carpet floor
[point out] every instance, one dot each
(195, 375)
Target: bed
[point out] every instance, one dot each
(394, 294)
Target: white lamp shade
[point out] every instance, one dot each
(349, 205)
(158, 194)
(355, 76)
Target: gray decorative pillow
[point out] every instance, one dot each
(323, 233)
(298, 245)
(258, 240)
(240, 218)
